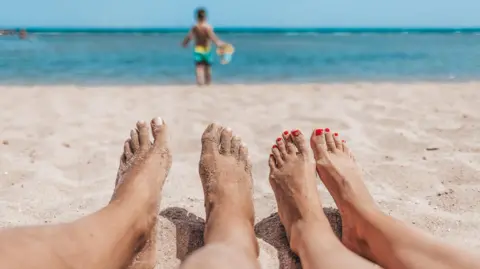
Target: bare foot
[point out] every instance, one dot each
(292, 177)
(225, 171)
(342, 176)
(137, 149)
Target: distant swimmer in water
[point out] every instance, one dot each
(203, 34)
(22, 34)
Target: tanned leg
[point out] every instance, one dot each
(208, 75)
(200, 74)
(225, 171)
(146, 256)
(366, 230)
(292, 177)
(109, 238)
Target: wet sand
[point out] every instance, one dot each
(419, 145)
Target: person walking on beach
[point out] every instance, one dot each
(203, 34)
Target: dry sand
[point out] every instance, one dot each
(61, 146)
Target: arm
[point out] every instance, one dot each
(187, 38)
(214, 37)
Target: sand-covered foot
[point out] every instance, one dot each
(225, 171)
(142, 162)
(338, 170)
(292, 177)
(137, 150)
(131, 148)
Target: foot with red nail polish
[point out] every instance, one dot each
(342, 176)
(292, 177)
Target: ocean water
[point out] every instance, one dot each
(261, 57)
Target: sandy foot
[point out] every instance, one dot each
(139, 148)
(225, 171)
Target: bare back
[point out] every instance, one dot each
(202, 34)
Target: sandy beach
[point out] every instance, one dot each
(419, 145)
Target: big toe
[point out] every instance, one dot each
(159, 131)
(211, 138)
(318, 143)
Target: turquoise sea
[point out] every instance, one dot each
(154, 56)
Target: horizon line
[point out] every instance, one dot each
(237, 29)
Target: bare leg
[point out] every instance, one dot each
(108, 238)
(225, 171)
(146, 256)
(292, 177)
(369, 232)
(200, 74)
(208, 75)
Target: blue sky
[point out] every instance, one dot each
(266, 13)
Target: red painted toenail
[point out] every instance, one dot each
(344, 141)
(318, 131)
(285, 132)
(279, 139)
(327, 130)
(296, 132)
(274, 146)
(335, 134)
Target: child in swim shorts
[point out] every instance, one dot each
(203, 34)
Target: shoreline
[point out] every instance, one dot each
(253, 30)
(253, 84)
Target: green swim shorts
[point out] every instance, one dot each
(202, 55)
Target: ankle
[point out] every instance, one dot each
(365, 216)
(304, 231)
(140, 217)
(237, 233)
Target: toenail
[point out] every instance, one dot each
(327, 130)
(158, 121)
(228, 129)
(285, 132)
(274, 146)
(279, 139)
(335, 134)
(318, 131)
(141, 122)
(344, 141)
(296, 132)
